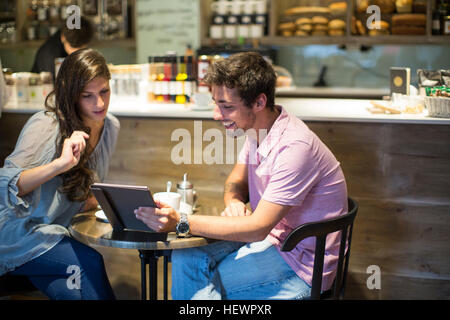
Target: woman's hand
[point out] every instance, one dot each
(72, 149)
(236, 208)
(164, 218)
(70, 156)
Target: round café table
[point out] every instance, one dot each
(87, 228)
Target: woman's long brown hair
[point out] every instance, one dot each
(77, 70)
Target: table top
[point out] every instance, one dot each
(87, 228)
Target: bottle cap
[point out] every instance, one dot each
(184, 184)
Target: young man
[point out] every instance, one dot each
(288, 175)
(61, 44)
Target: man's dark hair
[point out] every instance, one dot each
(249, 73)
(79, 37)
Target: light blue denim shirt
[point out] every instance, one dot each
(32, 224)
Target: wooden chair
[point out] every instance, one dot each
(320, 230)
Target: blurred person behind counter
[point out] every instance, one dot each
(64, 42)
(45, 181)
(289, 177)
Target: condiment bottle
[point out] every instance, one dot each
(186, 190)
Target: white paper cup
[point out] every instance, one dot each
(170, 198)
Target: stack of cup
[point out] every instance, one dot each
(239, 19)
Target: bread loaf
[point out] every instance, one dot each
(337, 24)
(301, 21)
(286, 26)
(403, 6)
(338, 8)
(360, 27)
(361, 5)
(408, 30)
(376, 32)
(301, 10)
(336, 32)
(386, 6)
(301, 33)
(319, 20)
(379, 25)
(409, 19)
(305, 27)
(287, 33)
(320, 27)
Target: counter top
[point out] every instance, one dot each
(307, 109)
(333, 92)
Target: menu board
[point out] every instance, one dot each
(166, 25)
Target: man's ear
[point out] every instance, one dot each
(260, 102)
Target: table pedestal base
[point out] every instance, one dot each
(150, 258)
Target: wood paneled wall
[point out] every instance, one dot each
(398, 173)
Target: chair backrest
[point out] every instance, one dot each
(320, 230)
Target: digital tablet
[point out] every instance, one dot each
(119, 202)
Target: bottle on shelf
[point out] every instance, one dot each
(158, 88)
(436, 19)
(180, 80)
(151, 79)
(202, 67)
(190, 83)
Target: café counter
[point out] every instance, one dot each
(396, 166)
(307, 109)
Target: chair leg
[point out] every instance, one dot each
(318, 268)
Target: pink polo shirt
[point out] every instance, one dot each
(293, 167)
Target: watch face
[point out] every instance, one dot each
(183, 227)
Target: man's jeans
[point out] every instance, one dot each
(234, 270)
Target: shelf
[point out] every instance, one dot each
(334, 40)
(278, 7)
(358, 40)
(123, 43)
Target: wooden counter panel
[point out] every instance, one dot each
(143, 153)
(391, 160)
(10, 126)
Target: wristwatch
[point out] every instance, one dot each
(183, 226)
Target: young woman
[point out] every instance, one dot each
(45, 181)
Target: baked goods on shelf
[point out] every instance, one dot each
(404, 6)
(409, 24)
(305, 21)
(304, 26)
(336, 27)
(396, 18)
(287, 29)
(379, 28)
(338, 8)
(409, 19)
(386, 6)
(306, 10)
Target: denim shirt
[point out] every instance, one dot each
(32, 224)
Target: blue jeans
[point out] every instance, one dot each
(234, 270)
(69, 271)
